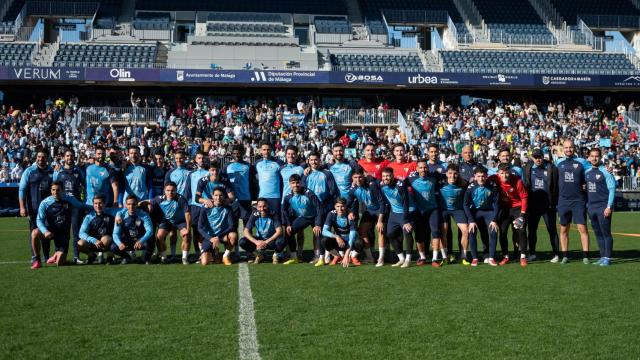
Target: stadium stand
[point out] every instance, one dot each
(7, 27)
(536, 62)
(376, 62)
(16, 54)
(331, 25)
(372, 10)
(514, 21)
(152, 21)
(569, 10)
(336, 7)
(106, 55)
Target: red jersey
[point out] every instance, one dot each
(401, 170)
(373, 168)
(513, 194)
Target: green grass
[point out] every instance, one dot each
(543, 311)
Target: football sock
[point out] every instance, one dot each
(173, 249)
(380, 254)
(226, 253)
(585, 254)
(185, 254)
(423, 255)
(334, 253)
(435, 255)
(401, 257)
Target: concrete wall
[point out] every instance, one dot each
(235, 57)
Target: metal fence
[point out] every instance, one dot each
(630, 183)
(358, 117)
(116, 115)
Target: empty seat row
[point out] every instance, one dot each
(103, 64)
(246, 28)
(151, 24)
(411, 62)
(106, 52)
(240, 17)
(332, 25)
(530, 61)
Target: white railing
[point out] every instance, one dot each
(331, 38)
(358, 117)
(596, 42)
(20, 20)
(630, 183)
(116, 115)
(24, 33)
(510, 39)
(451, 35)
(633, 119)
(143, 34)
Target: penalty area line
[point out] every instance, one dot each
(248, 338)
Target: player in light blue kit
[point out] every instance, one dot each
(101, 180)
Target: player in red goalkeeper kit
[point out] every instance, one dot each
(513, 208)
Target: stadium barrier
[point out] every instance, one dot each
(358, 117)
(9, 205)
(630, 183)
(118, 115)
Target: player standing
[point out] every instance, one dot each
(601, 191)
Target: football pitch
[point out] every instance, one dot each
(301, 312)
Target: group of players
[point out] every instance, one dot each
(347, 205)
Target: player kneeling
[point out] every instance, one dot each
(268, 233)
(133, 231)
(216, 226)
(54, 223)
(96, 230)
(301, 209)
(172, 214)
(336, 229)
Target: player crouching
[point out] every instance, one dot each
(268, 233)
(216, 226)
(336, 229)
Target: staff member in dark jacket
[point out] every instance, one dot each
(541, 181)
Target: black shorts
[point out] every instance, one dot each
(195, 214)
(169, 226)
(572, 213)
(457, 215)
(368, 218)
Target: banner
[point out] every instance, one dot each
(245, 76)
(42, 73)
(294, 120)
(122, 74)
(345, 79)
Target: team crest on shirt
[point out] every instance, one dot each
(377, 167)
(406, 169)
(439, 170)
(575, 166)
(545, 173)
(598, 176)
(102, 173)
(510, 190)
(138, 222)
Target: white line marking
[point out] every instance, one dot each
(13, 262)
(248, 339)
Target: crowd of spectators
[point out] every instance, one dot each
(212, 125)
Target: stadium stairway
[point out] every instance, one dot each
(46, 55)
